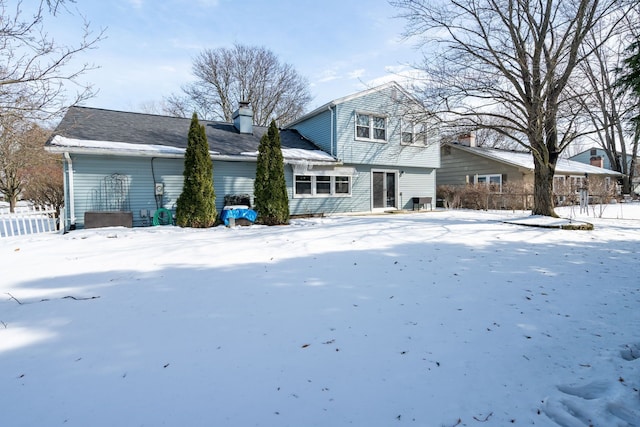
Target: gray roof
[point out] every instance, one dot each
(96, 124)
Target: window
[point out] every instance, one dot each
(303, 185)
(371, 127)
(493, 181)
(342, 185)
(322, 186)
(413, 133)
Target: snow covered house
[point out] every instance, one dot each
(465, 163)
(359, 153)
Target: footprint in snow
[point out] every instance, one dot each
(631, 352)
(596, 403)
(589, 391)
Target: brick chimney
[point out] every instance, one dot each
(243, 118)
(596, 161)
(467, 139)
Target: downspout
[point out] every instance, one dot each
(331, 143)
(72, 208)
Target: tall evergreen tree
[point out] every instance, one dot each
(196, 206)
(270, 188)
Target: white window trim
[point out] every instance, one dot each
(371, 128)
(314, 194)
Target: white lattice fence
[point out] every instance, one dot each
(27, 220)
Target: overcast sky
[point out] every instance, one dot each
(341, 46)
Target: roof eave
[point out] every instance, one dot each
(148, 154)
(490, 157)
(102, 151)
(350, 97)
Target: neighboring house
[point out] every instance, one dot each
(598, 157)
(356, 154)
(465, 163)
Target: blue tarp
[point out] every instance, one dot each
(248, 214)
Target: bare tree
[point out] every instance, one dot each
(35, 71)
(606, 107)
(44, 185)
(243, 73)
(506, 65)
(21, 151)
(628, 81)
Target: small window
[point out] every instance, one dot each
(362, 126)
(323, 185)
(407, 133)
(594, 152)
(303, 184)
(371, 127)
(379, 128)
(342, 185)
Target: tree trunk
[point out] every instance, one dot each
(626, 184)
(13, 201)
(543, 189)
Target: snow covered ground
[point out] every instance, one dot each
(444, 318)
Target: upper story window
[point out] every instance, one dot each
(413, 133)
(371, 127)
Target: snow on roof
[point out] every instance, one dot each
(525, 160)
(69, 144)
(124, 147)
(299, 154)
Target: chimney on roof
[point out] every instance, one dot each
(596, 161)
(467, 139)
(243, 118)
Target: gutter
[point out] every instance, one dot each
(72, 206)
(146, 154)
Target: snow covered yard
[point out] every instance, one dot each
(447, 318)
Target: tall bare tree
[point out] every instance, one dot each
(506, 65)
(606, 107)
(225, 77)
(629, 83)
(36, 76)
(21, 149)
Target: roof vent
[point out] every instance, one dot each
(243, 118)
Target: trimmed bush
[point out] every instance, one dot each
(196, 206)
(270, 188)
